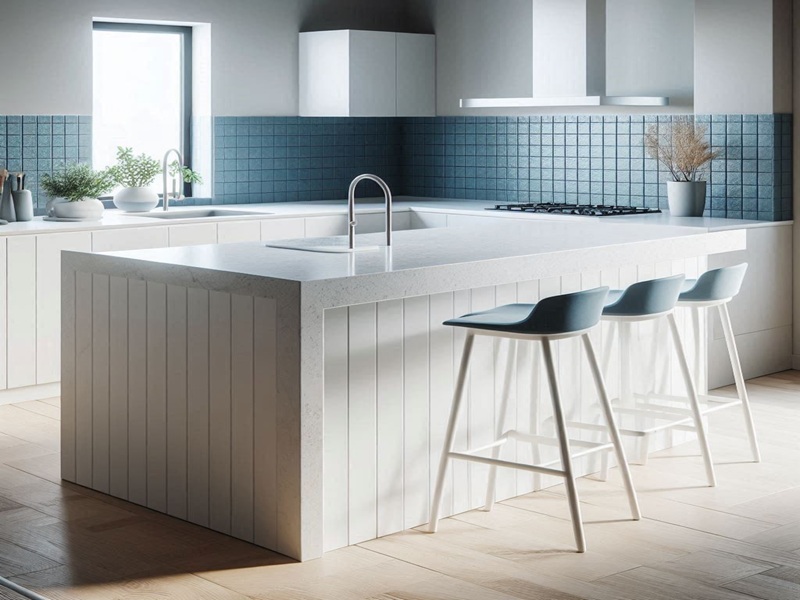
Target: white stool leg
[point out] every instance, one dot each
(626, 384)
(535, 427)
(663, 358)
(702, 436)
(625, 380)
(698, 380)
(500, 425)
(608, 346)
(563, 440)
(449, 439)
(612, 428)
(738, 377)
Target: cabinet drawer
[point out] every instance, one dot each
(130, 239)
(240, 231)
(193, 235)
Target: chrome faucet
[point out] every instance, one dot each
(351, 207)
(165, 168)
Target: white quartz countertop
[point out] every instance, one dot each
(114, 219)
(565, 244)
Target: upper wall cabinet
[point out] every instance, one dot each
(352, 73)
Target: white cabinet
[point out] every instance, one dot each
(416, 75)
(3, 307)
(283, 229)
(350, 73)
(21, 317)
(48, 299)
(327, 225)
(238, 231)
(138, 238)
(193, 235)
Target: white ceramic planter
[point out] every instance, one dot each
(88, 209)
(50, 208)
(686, 198)
(136, 199)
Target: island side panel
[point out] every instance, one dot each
(211, 376)
(414, 392)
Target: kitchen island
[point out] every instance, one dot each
(298, 399)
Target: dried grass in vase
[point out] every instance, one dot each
(681, 147)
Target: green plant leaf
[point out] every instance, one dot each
(76, 182)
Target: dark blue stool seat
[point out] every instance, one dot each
(646, 298)
(717, 285)
(567, 313)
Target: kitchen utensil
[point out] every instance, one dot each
(7, 212)
(23, 205)
(23, 199)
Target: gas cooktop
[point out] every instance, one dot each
(592, 210)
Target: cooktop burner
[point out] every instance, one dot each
(592, 210)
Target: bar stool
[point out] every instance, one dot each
(716, 288)
(551, 319)
(649, 301)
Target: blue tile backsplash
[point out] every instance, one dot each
(269, 159)
(576, 159)
(596, 159)
(40, 144)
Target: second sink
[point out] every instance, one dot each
(197, 214)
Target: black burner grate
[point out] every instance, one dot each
(592, 210)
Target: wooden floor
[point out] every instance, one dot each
(739, 540)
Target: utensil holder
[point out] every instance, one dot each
(23, 205)
(7, 212)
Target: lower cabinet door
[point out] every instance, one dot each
(193, 234)
(238, 231)
(3, 314)
(21, 315)
(48, 299)
(135, 238)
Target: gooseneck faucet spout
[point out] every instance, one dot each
(351, 207)
(165, 168)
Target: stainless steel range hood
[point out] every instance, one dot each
(569, 60)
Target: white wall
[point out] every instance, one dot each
(484, 49)
(253, 47)
(733, 56)
(650, 49)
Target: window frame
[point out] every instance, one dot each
(185, 32)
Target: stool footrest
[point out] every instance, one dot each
(714, 403)
(661, 416)
(505, 463)
(584, 448)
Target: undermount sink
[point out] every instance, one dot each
(329, 245)
(197, 214)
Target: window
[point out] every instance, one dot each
(142, 90)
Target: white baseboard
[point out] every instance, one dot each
(32, 392)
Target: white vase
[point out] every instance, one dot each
(686, 198)
(136, 199)
(88, 209)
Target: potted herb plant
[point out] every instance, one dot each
(136, 174)
(682, 148)
(74, 192)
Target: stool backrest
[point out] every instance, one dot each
(717, 284)
(648, 297)
(567, 313)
